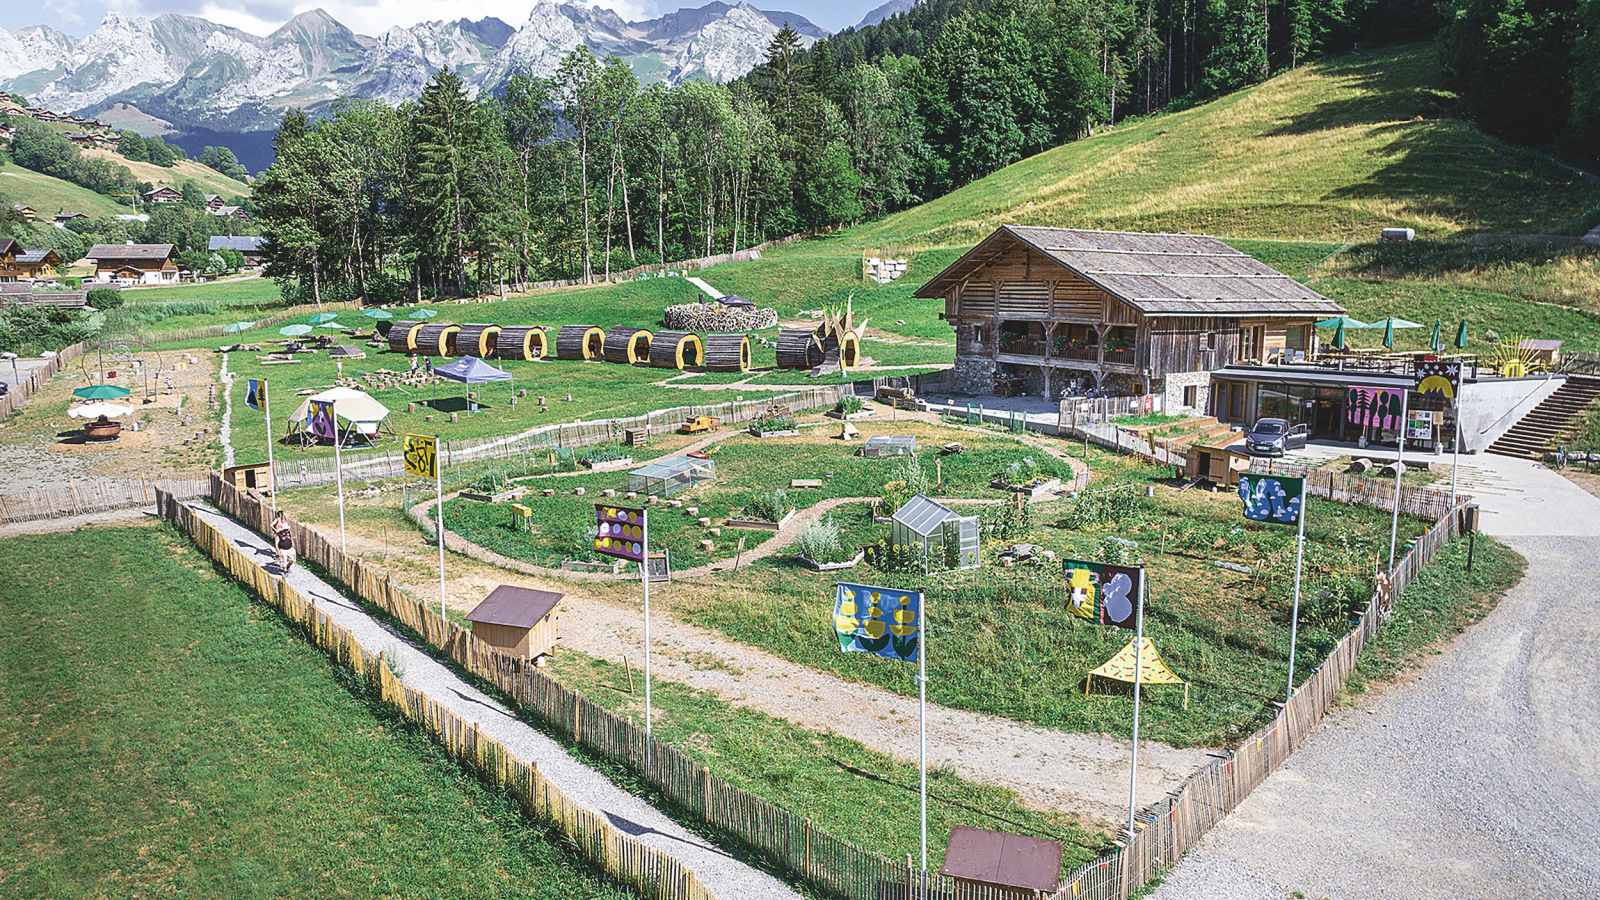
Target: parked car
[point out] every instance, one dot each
(1274, 437)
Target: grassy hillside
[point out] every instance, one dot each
(1331, 151)
(211, 180)
(49, 196)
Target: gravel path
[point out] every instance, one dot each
(1479, 775)
(722, 875)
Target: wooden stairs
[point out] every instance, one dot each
(1552, 421)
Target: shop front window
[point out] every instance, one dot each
(1273, 402)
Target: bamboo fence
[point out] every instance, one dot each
(36, 379)
(210, 331)
(650, 872)
(1164, 831)
(97, 496)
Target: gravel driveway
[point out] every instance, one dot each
(722, 875)
(1479, 778)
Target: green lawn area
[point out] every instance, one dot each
(165, 309)
(49, 196)
(165, 736)
(1425, 301)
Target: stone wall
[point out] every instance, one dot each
(1175, 384)
(974, 375)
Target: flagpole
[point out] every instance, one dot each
(1299, 557)
(272, 467)
(1455, 451)
(1138, 672)
(644, 575)
(922, 735)
(1399, 466)
(338, 465)
(438, 519)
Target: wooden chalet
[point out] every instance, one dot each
(163, 194)
(135, 263)
(33, 265)
(214, 202)
(1045, 310)
(62, 218)
(251, 247)
(27, 212)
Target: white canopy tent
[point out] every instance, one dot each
(363, 417)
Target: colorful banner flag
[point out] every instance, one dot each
(883, 621)
(620, 533)
(1438, 377)
(421, 453)
(1272, 498)
(1374, 406)
(323, 423)
(1102, 592)
(255, 393)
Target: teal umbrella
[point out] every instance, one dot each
(1434, 343)
(1393, 322)
(1388, 335)
(238, 326)
(319, 318)
(101, 392)
(1338, 337)
(1461, 336)
(295, 330)
(421, 314)
(378, 314)
(1342, 322)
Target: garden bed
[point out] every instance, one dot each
(849, 417)
(815, 566)
(762, 524)
(1039, 487)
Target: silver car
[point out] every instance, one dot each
(1275, 437)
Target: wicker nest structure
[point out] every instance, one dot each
(524, 342)
(713, 317)
(580, 342)
(675, 350)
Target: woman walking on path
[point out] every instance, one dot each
(283, 542)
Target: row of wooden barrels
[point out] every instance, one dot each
(622, 344)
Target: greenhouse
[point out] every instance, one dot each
(671, 476)
(936, 535)
(890, 445)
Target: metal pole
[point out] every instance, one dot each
(1455, 455)
(272, 467)
(438, 522)
(644, 574)
(922, 735)
(1400, 452)
(338, 466)
(1299, 557)
(1138, 681)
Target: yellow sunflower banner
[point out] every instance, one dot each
(879, 620)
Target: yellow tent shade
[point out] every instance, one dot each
(1153, 669)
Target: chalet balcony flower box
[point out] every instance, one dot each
(1034, 489)
(809, 563)
(762, 524)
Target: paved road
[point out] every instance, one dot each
(13, 377)
(1480, 777)
(722, 875)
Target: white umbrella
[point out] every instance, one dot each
(97, 410)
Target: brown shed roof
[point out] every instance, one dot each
(998, 858)
(514, 607)
(1157, 274)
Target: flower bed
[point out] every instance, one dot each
(831, 566)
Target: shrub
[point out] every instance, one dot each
(1022, 471)
(849, 405)
(774, 422)
(105, 299)
(770, 506)
(819, 542)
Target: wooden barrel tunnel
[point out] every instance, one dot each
(437, 340)
(403, 336)
(625, 344)
(726, 352)
(477, 340)
(675, 350)
(580, 342)
(524, 342)
(798, 348)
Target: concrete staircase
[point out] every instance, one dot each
(1551, 421)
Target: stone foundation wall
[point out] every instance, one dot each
(974, 375)
(1175, 384)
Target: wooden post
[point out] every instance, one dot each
(805, 830)
(705, 793)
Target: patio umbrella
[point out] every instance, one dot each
(295, 330)
(1434, 342)
(1338, 337)
(1388, 335)
(238, 326)
(1342, 322)
(101, 392)
(421, 314)
(334, 325)
(1461, 336)
(1393, 322)
(97, 410)
(378, 314)
(319, 318)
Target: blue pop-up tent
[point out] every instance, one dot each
(471, 370)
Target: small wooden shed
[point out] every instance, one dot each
(477, 340)
(994, 863)
(249, 477)
(728, 352)
(1218, 462)
(437, 340)
(625, 344)
(524, 342)
(403, 335)
(518, 621)
(580, 342)
(675, 349)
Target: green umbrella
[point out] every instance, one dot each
(1388, 334)
(1342, 322)
(1461, 336)
(1393, 322)
(238, 326)
(1434, 343)
(295, 330)
(378, 314)
(101, 392)
(421, 314)
(1338, 337)
(319, 318)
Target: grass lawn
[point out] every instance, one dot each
(164, 735)
(194, 306)
(1424, 301)
(861, 795)
(49, 196)
(210, 180)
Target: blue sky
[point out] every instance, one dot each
(80, 17)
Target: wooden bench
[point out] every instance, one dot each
(805, 483)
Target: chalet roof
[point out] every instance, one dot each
(36, 256)
(1157, 274)
(103, 252)
(514, 607)
(9, 246)
(163, 189)
(243, 244)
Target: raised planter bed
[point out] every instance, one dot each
(766, 434)
(1033, 490)
(849, 417)
(581, 565)
(761, 524)
(474, 495)
(610, 465)
(833, 566)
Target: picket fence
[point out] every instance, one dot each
(792, 842)
(538, 441)
(98, 496)
(649, 871)
(1422, 502)
(36, 379)
(210, 331)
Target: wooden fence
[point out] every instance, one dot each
(1422, 502)
(792, 842)
(704, 262)
(36, 379)
(649, 871)
(210, 331)
(98, 496)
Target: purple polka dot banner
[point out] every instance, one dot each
(620, 532)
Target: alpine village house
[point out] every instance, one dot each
(1056, 310)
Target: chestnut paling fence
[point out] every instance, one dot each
(203, 332)
(98, 496)
(643, 868)
(1163, 832)
(36, 379)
